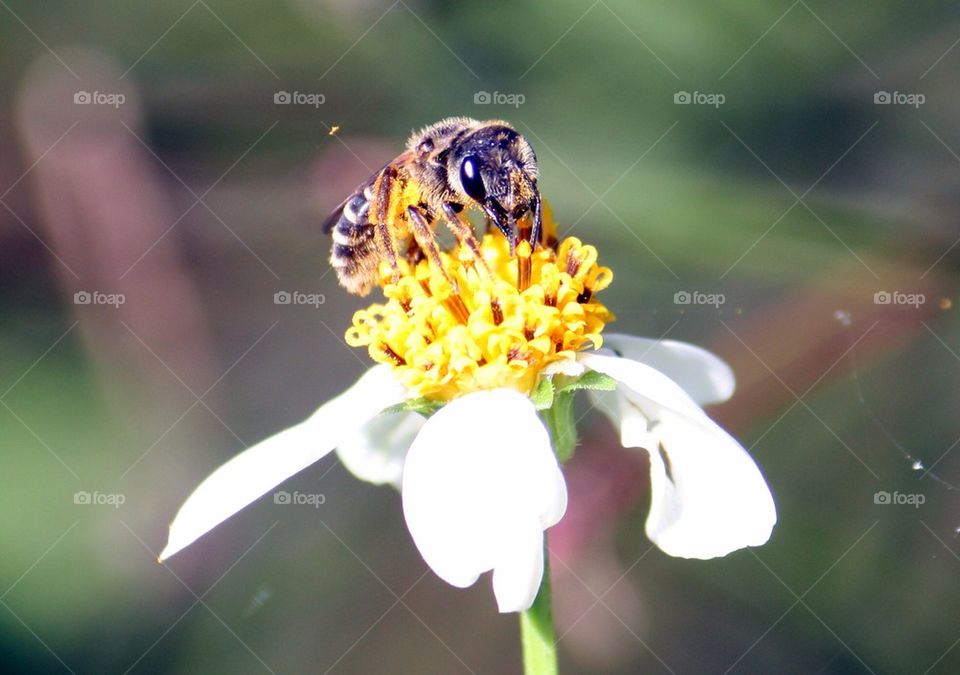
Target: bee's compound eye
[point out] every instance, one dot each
(471, 180)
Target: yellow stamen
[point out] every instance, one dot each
(490, 330)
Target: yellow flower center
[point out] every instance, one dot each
(470, 328)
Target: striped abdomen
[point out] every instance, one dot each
(354, 252)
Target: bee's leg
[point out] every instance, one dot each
(420, 224)
(423, 234)
(382, 192)
(389, 248)
(463, 231)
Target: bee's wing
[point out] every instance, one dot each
(365, 188)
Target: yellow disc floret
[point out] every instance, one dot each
(468, 327)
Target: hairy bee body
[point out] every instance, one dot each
(455, 164)
(353, 254)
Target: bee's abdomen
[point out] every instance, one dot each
(354, 254)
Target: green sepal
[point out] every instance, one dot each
(590, 380)
(422, 405)
(554, 396)
(542, 396)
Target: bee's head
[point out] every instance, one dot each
(495, 168)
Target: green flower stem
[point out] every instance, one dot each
(536, 629)
(554, 400)
(537, 636)
(563, 429)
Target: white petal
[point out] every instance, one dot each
(262, 467)
(645, 386)
(376, 451)
(568, 367)
(703, 375)
(712, 499)
(517, 575)
(635, 429)
(708, 498)
(480, 485)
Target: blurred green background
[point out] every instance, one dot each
(787, 184)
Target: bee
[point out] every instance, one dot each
(447, 168)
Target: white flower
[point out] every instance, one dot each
(479, 480)
(708, 498)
